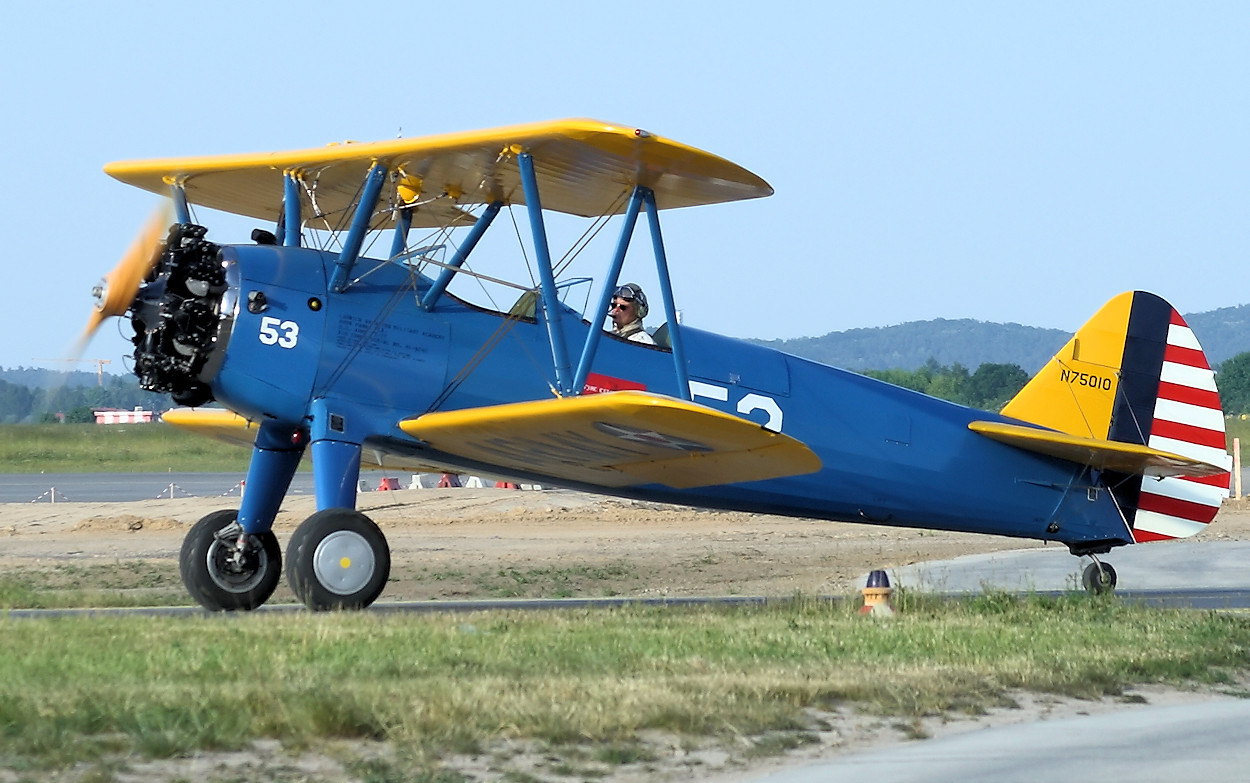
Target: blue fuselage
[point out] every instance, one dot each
(372, 356)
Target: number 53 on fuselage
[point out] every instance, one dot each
(324, 350)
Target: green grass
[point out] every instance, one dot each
(82, 448)
(1237, 427)
(91, 689)
(119, 584)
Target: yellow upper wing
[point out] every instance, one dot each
(584, 167)
(617, 439)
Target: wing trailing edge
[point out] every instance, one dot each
(616, 439)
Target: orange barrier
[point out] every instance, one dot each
(877, 595)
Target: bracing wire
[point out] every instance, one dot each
(512, 319)
(590, 233)
(334, 228)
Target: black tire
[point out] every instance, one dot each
(1099, 579)
(338, 559)
(213, 573)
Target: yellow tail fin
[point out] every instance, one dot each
(1076, 391)
(1136, 374)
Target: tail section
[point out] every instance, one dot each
(1136, 374)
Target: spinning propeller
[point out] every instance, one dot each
(115, 293)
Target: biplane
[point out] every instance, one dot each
(315, 347)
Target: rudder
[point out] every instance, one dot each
(1135, 373)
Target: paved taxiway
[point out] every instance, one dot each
(1203, 740)
(1200, 574)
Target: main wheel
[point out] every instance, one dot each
(338, 559)
(221, 574)
(1098, 579)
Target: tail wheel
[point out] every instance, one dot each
(1098, 579)
(338, 559)
(225, 569)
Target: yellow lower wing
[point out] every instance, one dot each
(617, 439)
(1096, 453)
(218, 423)
(226, 425)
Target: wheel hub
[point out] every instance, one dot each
(236, 562)
(344, 562)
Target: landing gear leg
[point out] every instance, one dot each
(1099, 578)
(231, 560)
(338, 558)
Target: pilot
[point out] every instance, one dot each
(629, 307)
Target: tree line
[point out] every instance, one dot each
(22, 404)
(989, 387)
(1232, 377)
(992, 385)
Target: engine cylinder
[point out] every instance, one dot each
(181, 317)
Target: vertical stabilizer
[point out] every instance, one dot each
(1135, 373)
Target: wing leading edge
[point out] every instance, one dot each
(584, 167)
(616, 439)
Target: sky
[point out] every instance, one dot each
(1007, 162)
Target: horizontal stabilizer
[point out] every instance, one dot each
(616, 439)
(1100, 454)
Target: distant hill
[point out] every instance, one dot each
(908, 346)
(1223, 333)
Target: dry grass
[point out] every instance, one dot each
(79, 689)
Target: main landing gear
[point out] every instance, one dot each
(1098, 578)
(337, 559)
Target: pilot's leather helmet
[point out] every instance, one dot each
(632, 292)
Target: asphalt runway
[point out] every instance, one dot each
(120, 487)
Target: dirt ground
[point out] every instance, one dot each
(494, 543)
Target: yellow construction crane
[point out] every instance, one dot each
(99, 365)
